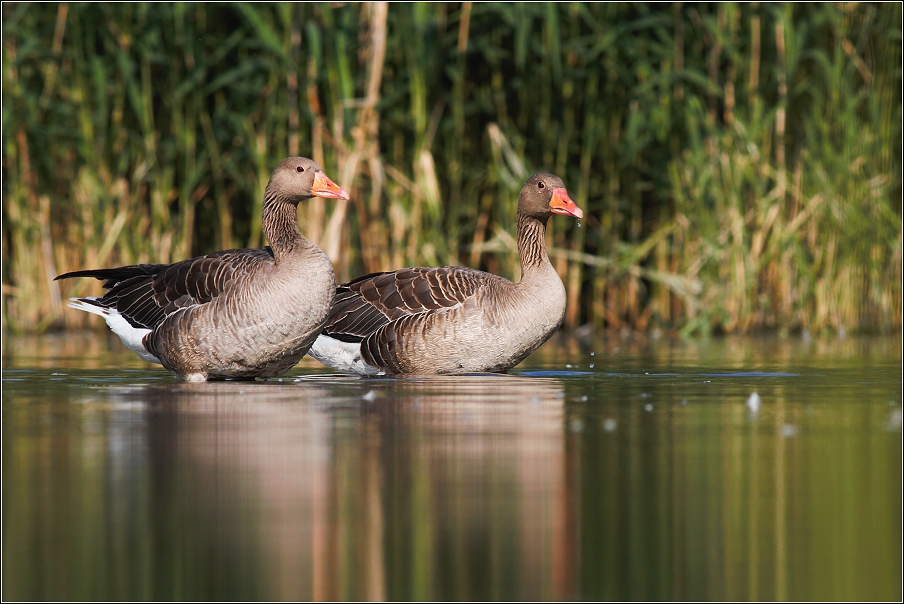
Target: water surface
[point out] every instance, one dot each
(601, 468)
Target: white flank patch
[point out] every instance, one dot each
(344, 356)
(130, 336)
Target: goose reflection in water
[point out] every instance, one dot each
(422, 488)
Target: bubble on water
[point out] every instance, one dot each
(894, 420)
(591, 365)
(370, 397)
(684, 402)
(576, 425)
(789, 431)
(609, 425)
(584, 399)
(648, 407)
(753, 403)
(592, 353)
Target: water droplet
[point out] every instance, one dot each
(894, 420)
(753, 403)
(591, 365)
(592, 353)
(648, 407)
(609, 425)
(579, 223)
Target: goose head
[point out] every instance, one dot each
(545, 194)
(296, 179)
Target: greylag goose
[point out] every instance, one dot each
(452, 319)
(243, 313)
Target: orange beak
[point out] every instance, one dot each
(561, 204)
(324, 187)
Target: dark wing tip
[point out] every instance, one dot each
(362, 278)
(72, 274)
(116, 274)
(348, 338)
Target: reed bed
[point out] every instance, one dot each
(739, 165)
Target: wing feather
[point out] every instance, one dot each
(146, 294)
(367, 303)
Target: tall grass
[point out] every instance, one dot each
(740, 165)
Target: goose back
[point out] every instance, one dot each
(443, 320)
(222, 314)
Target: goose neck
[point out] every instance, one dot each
(280, 227)
(532, 242)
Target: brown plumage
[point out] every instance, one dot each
(242, 313)
(452, 319)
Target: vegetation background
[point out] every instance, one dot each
(739, 164)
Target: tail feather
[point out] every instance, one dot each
(131, 336)
(92, 305)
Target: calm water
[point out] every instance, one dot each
(598, 469)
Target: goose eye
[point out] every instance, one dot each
(540, 185)
(299, 169)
